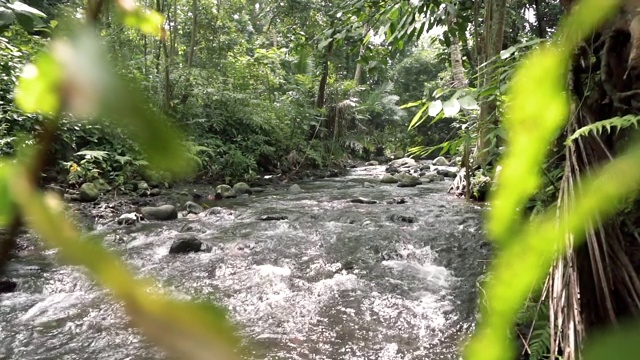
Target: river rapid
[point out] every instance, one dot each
(337, 280)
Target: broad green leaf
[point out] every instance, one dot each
(621, 343)
(451, 107)
(468, 102)
(6, 17)
(508, 52)
(324, 43)
(435, 107)
(39, 84)
(187, 330)
(417, 119)
(25, 9)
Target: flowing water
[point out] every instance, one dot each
(337, 280)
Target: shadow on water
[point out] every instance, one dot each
(337, 280)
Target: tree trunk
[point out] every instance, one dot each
(542, 30)
(358, 72)
(322, 87)
(492, 40)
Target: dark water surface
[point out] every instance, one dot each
(336, 281)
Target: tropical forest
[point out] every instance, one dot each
(320, 179)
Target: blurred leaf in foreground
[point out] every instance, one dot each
(148, 21)
(38, 88)
(5, 195)
(619, 344)
(187, 330)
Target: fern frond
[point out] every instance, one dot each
(597, 128)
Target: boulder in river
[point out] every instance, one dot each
(89, 192)
(403, 218)
(257, 190)
(273, 217)
(407, 180)
(431, 177)
(388, 179)
(440, 161)
(163, 212)
(193, 208)
(402, 162)
(372, 163)
(188, 243)
(7, 286)
(396, 201)
(155, 192)
(295, 189)
(128, 219)
(363, 201)
(242, 188)
(225, 192)
(446, 171)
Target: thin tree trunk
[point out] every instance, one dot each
(358, 73)
(322, 87)
(542, 32)
(493, 37)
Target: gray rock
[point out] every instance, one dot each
(368, 185)
(372, 163)
(89, 192)
(257, 190)
(398, 201)
(193, 208)
(440, 161)
(432, 176)
(446, 171)
(403, 218)
(142, 185)
(402, 162)
(161, 213)
(128, 219)
(242, 188)
(363, 201)
(101, 185)
(214, 211)
(295, 189)
(71, 197)
(56, 189)
(188, 243)
(225, 192)
(407, 180)
(388, 179)
(155, 192)
(272, 218)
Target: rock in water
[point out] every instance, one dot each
(155, 192)
(225, 192)
(440, 161)
(193, 208)
(372, 163)
(295, 189)
(403, 218)
(128, 219)
(7, 286)
(363, 201)
(402, 162)
(89, 192)
(396, 201)
(163, 212)
(447, 171)
(388, 179)
(368, 185)
(272, 218)
(188, 244)
(407, 180)
(242, 188)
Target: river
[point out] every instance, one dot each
(337, 280)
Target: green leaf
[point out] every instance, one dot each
(435, 107)
(468, 102)
(451, 107)
(324, 43)
(411, 104)
(188, 330)
(417, 119)
(38, 86)
(25, 9)
(7, 17)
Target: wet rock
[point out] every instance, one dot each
(89, 192)
(273, 217)
(225, 192)
(192, 227)
(396, 201)
(56, 189)
(161, 213)
(403, 218)
(368, 185)
(7, 286)
(372, 163)
(363, 201)
(257, 190)
(71, 197)
(440, 161)
(402, 162)
(128, 219)
(432, 176)
(407, 180)
(332, 173)
(391, 170)
(101, 185)
(241, 188)
(214, 211)
(155, 192)
(188, 244)
(295, 189)
(446, 171)
(193, 208)
(388, 179)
